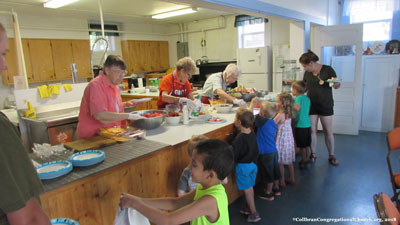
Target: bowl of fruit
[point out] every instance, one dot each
(173, 118)
(154, 119)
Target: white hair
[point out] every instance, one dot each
(231, 70)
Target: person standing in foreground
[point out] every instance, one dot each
(212, 161)
(102, 104)
(216, 84)
(245, 150)
(20, 185)
(320, 94)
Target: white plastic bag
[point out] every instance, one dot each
(130, 216)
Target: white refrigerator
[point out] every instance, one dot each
(255, 67)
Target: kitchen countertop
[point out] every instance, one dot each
(175, 134)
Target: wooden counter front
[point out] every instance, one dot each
(94, 199)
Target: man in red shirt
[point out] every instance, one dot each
(175, 87)
(102, 104)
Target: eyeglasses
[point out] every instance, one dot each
(189, 75)
(119, 72)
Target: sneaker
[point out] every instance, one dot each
(276, 191)
(245, 211)
(266, 196)
(252, 218)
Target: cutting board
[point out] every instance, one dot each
(91, 143)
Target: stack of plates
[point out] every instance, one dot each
(87, 158)
(56, 169)
(63, 221)
(53, 169)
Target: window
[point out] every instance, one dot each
(109, 36)
(251, 35)
(250, 31)
(375, 14)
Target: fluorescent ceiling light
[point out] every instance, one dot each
(58, 3)
(174, 13)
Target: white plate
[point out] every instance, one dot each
(140, 100)
(333, 81)
(53, 169)
(87, 158)
(377, 47)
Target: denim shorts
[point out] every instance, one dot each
(246, 174)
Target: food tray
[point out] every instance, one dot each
(63, 221)
(87, 158)
(214, 122)
(53, 169)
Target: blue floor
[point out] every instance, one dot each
(325, 191)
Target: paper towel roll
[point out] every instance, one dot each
(140, 82)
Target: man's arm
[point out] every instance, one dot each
(32, 213)
(110, 117)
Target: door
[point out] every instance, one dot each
(330, 41)
(380, 81)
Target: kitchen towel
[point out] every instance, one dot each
(30, 113)
(54, 89)
(67, 87)
(44, 91)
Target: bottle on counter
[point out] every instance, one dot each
(185, 112)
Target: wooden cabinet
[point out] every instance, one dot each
(42, 59)
(62, 56)
(145, 56)
(81, 57)
(49, 60)
(11, 59)
(397, 111)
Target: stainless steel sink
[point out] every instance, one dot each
(54, 127)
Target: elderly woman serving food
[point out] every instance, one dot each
(175, 87)
(215, 86)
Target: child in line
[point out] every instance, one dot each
(245, 150)
(186, 183)
(212, 161)
(268, 154)
(302, 133)
(284, 138)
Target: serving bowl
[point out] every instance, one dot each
(223, 108)
(149, 123)
(173, 120)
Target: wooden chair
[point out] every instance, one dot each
(386, 210)
(393, 141)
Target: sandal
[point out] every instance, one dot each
(313, 158)
(332, 160)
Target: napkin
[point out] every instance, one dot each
(67, 87)
(44, 91)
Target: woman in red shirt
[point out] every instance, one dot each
(175, 87)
